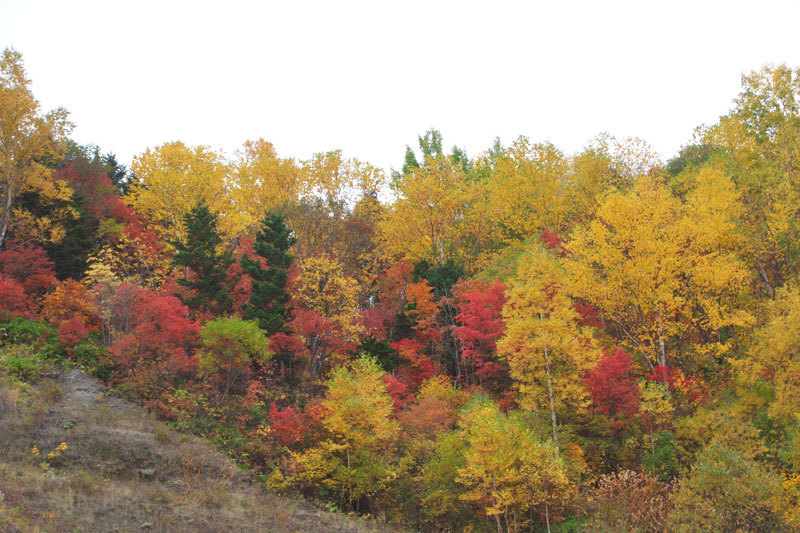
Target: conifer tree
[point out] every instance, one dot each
(209, 267)
(268, 301)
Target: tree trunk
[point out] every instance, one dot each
(550, 394)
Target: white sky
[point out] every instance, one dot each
(368, 77)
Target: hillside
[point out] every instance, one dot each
(123, 471)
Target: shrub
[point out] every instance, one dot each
(726, 491)
(22, 362)
(628, 501)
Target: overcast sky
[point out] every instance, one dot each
(368, 77)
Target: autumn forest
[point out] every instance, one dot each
(515, 340)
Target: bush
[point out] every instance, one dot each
(726, 491)
(22, 362)
(25, 331)
(628, 501)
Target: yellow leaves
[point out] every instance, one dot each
(27, 140)
(359, 407)
(432, 219)
(321, 287)
(542, 336)
(507, 467)
(775, 354)
(260, 182)
(525, 194)
(661, 268)
(172, 179)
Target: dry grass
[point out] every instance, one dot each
(124, 471)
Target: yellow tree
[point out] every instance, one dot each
(526, 192)
(760, 145)
(172, 179)
(355, 460)
(547, 352)
(28, 140)
(326, 314)
(262, 182)
(329, 187)
(667, 273)
(433, 217)
(776, 353)
(507, 468)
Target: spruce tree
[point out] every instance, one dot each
(269, 299)
(199, 254)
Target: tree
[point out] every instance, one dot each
(507, 470)
(230, 347)
(326, 311)
(527, 191)
(480, 326)
(757, 142)
(546, 351)
(432, 219)
(354, 461)
(28, 140)
(14, 301)
(614, 392)
(775, 355)
(206, 266)
(29, 265)
(667, 273)
(174, 178)
(262, 183)
(160, 344)
(269, 271)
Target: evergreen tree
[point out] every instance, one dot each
(199, 254)
(268, 300)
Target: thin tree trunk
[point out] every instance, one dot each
(550, 394)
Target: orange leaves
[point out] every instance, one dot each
(424, 310)
(69, 299)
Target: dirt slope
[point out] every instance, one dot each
(123, 471)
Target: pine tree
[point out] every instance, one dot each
(269, 297)
(199, 254)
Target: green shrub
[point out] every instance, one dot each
(726, 491)
(24, 331)
(21, 361)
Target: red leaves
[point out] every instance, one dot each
(287, 425)
(397, 390)
(481, 326)
(418, 366)
(552, 241)
(72, 331)
(13, 299)
(29, 265)
(691, 388)
(161, 329)
(613, 389)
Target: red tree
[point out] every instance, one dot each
(14, 302)
(29, 265)
(613, 389)
(161, 331)
(480, 325)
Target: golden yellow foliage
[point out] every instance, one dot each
(28, 139)
(663, 270)
(546, 351)
(172, 179)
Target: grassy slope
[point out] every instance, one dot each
(124, 471)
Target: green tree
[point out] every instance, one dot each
(230, 347)
(199, 254)
(269, 299)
